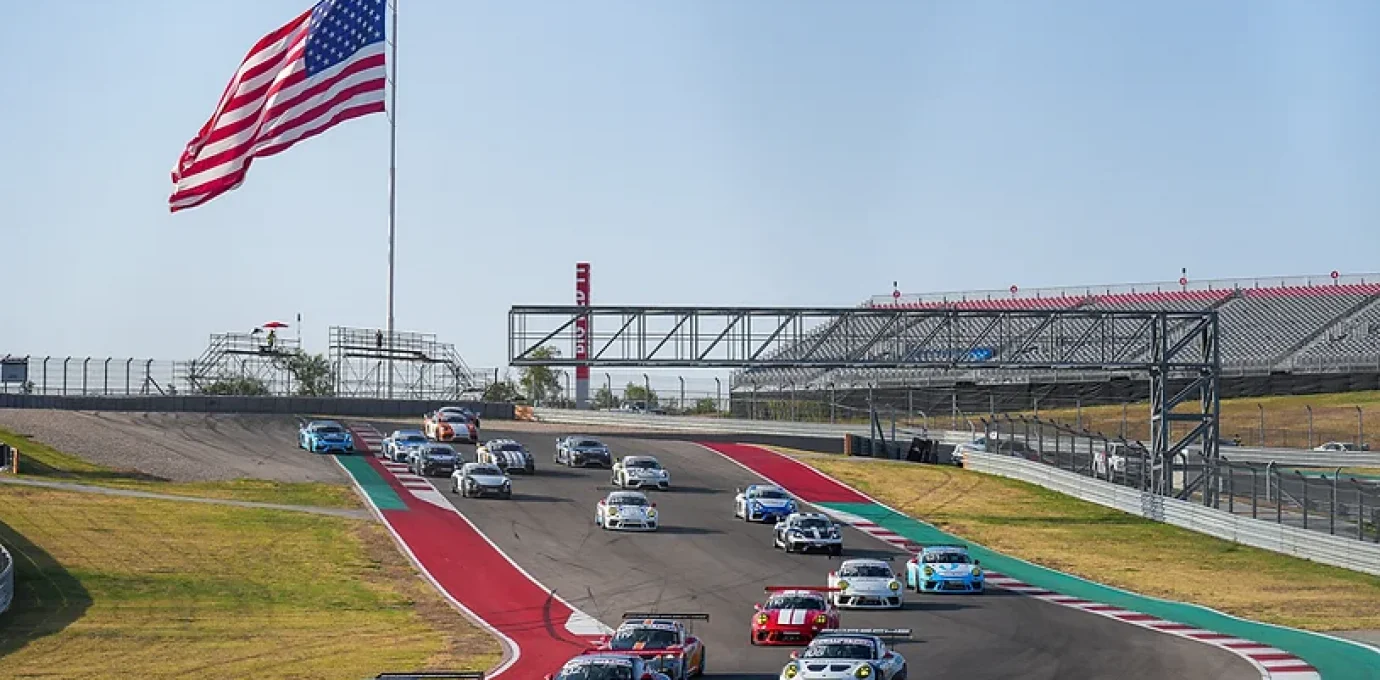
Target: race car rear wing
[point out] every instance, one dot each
(893, 633)
(665, 615)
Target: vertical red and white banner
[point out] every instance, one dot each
(582, 334)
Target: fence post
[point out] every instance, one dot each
(1360, 427)
(1360, 510)
(1279, 491)
(953, 408)
(45, 374)
(64, 375)
(1305, 497)
(1332, 511)
(1123, 420)
(1255, 493)
(1231, 487)
(84, 365)
(105, 389)
(1310, 424)
(1078, 413)
(129, 363)
(1261, 407)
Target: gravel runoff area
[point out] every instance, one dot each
(181, 447)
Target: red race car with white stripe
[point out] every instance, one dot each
(793, 615)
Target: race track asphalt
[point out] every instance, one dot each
(705, 560)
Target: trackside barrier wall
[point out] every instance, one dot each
(703, 425)
(335, 406)
(1337, 551)
(6, 579)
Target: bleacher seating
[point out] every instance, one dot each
(1263, 328)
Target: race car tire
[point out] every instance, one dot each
(901, 675)
(704, 660)
(505, 495)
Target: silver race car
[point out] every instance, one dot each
(866, 584)
(481, 479)
(806, 531)
(399, 445)
(641, 472)
(849, 654)
(577, 451)
(626, 511)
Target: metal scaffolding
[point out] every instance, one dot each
(1161, 345)
(421, 367)
(239, 356)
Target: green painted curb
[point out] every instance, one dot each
(373, 484)
(1334, 658)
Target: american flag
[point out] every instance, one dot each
(324, 67)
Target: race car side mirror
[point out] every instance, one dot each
(654, 505)
(757, 606)
(795, 655)
(691, 640)
(549, 676)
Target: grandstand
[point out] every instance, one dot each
(1282, 335)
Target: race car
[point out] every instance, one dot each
(481, 479)
(660, 632)
(641, 472)
(396, 445)
(763, 503)
(450, 426)
(793, 615)
(433, 460)
(806, 531)
(323, 436)
(464, 411)
(849, 654)
(582, 451)
(944, 569)
(509, 455)
(597, 665)
(626, 511)
(866, 584)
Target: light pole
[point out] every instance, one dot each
(718, 395)
(647, 385)
(608, 385)
(682, 392)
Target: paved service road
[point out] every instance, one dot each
(704, 560)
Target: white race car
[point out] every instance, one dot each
(849, 654)
(763, 503)
(866, 584)
(399, 444)
(626, 511)
(641, 472)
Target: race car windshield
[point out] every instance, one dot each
(329, 429)
(838, 650)
(415, 437)
(649, 638)
(770, 493)
(599, 671)
(796, 602)
(509, 447)
(645, 464)
(811, 523)
(439, 453)
(948, 558)
(627, 500)
(865, 571)
(590, 444)
(485, 470)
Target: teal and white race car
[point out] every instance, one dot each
(849, 654)
(944, 569)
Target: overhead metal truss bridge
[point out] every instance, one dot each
(1160, 344)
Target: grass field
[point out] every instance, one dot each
(1115, 548)
(113, 587)
(1335, 418)
(42, 461)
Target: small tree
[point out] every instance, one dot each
(705, 405)
(311, 372)
(502, 391)
(605, 398)
(634, 393)
(237, 386)
(541, 382)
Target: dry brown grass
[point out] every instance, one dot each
(113, 587)
(1108, 546)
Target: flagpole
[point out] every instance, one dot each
(392, 186)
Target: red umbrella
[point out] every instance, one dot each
(275, 324)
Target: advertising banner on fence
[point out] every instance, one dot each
(582, 336)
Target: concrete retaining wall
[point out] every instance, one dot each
(335, 406)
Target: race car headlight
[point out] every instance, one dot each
(820, 620)
(611, 511)
(761, 619)
(792, 670)
(842, 585)
(863, 672)
(756, 506)
(894, 586)
(929, 571)
(651, 514)
(977, 571)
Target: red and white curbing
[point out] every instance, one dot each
(1273, 663)
(417, 485)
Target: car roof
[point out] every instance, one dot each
(408, 432)
(652, 458)
(320, 423)
(808, 515)
(764, 487)
(625, 494)
(659, 624)
(864, 561)
(435, 445)
(483, 465)
(944, 548)
(797, 593)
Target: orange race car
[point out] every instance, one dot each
(450, 426)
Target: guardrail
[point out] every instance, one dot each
(6, 579)
(700, 424)
(1311, 545)
(336, 406)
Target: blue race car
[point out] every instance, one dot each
(324, 436)
(944, 569)
(763, 503)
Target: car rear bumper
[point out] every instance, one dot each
(437, 470)
(495, 491)
(326, 447)
(809, 544)
(792, 635)
(630, 525)
(588, 461)
(658, 484)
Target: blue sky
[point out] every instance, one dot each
(716, 152)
